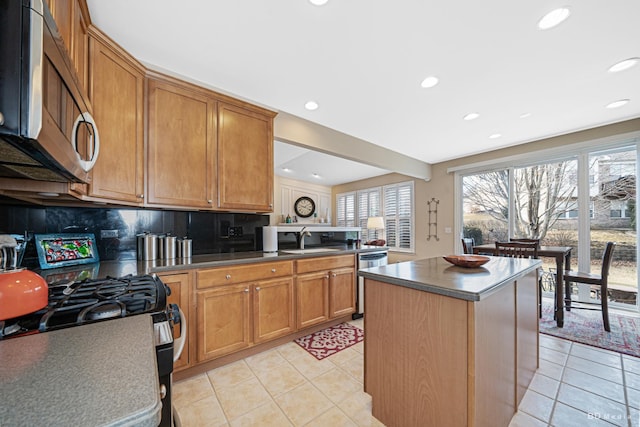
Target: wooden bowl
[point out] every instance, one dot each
(468, 261)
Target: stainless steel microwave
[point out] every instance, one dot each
(47, 131)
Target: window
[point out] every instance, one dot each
(369, 204)
(398, 216)
(392, 202)
(346, 210)
(618, 209)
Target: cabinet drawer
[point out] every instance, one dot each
(324, 263)
(242, 273)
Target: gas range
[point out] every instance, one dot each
(74, 303)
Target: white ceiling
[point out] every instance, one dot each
(306, 165)
(363, 62)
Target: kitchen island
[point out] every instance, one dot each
(447, 345)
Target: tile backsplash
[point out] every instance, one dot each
(115, 229)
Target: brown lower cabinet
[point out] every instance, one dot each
(233, 317)
(240, 306)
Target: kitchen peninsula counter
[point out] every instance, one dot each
(102, 373)
(447, 345)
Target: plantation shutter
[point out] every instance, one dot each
(346, 210)
(369, 205)
(398, 216)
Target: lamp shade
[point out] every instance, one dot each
(376, 222)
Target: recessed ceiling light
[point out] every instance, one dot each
(471, 116)
(617, 104)
(286, 170)
(311, 105)
(318, 2)
(553, 18)
(315, 175)
(624, 65)
(495, 135)
(525, 115)
(430, 81)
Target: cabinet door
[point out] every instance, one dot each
(62, 12)
(312, 299)
(117, 91)
(245, 159)
(342, 292)
(223, 321)
(179, 285)
(80, 42)
(272, 309)
(181, 140)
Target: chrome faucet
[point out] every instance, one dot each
(300, 237)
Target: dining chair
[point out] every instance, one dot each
(467, 245)
(522, 248)
(593, 279)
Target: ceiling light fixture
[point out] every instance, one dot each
(471, 116)
(318, 2)
(430, 81)
(553, 18)
(495, 135)
(618, 104)
(624, 65)
(525, 115)
(311, 105)
(286, 170)
(315, 175)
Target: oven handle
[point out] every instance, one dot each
(178, 344)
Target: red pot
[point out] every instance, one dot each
(21, 292)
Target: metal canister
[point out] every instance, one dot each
(167, 247)
(184, 248)
(147, 246)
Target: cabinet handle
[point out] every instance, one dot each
(273, 270)
(246, 290)
(326, 277)
(140, 196)
(333, 275)
(228, 276)
(210, 201)
(258, 289)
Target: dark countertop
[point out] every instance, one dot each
(102, 373)
(124, 267)
(437, 276)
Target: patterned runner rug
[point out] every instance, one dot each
(585, 326)
(329, 341)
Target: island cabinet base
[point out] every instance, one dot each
(432, 359)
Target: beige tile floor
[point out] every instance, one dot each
(576, 385)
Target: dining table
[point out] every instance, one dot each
(562, 255)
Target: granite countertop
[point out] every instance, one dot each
(97, 374)
(437, 276)
(124, 267)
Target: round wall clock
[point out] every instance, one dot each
(304, 207)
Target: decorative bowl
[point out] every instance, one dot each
(469, 261)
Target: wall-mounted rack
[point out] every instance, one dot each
(433, 218)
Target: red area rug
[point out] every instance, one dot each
(585, 327)
(329, 341)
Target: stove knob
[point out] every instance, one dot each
(174, 314)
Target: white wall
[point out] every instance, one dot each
(287, 191)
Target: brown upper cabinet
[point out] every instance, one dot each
(72, 20)
(181, 157)
(117, 93)
(245, 158)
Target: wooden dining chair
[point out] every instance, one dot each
(592, 279)
(522, 248)
(467, 245)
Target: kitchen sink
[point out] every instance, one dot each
(308, 251)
